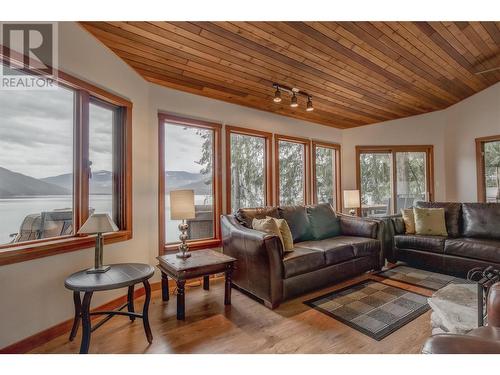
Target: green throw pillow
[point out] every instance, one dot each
(430, 221)
(324, 221)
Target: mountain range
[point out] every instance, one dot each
(13, 184)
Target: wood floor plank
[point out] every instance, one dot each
(246, 326)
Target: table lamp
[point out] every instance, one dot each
(98, 224)
(351, 201)
(182, 208)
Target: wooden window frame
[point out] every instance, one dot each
(217, 181)
(337, 175)
(480, 167)
(268, 138)
(84, 92)
(307, 167)
(429, 167)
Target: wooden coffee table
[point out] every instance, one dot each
(200, 263)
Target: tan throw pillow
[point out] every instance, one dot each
(286, 233)
(430, 221)
(268, 226)
(409, 220)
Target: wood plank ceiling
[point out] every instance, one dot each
(358, 73)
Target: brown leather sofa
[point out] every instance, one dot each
(482, 340)
(327, 248)
(473, 239)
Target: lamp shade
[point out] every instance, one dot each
(98, 223)
(182, 204)
(351, 199)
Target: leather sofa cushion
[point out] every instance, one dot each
(433, 244)
(335, 250)
(246, 215)
(475, 248)
(452, 215)
(342, 248)
(362, 246)
(302, 260)
(298, 221)
(481, 220)
(324, 221)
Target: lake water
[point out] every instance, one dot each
(14, 210)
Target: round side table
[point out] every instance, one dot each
(118, 276)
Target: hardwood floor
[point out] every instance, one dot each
(245, 327)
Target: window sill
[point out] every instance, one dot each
(40, 249)
(194, 245)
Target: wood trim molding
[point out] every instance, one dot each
(307, 168)
(393, 149)
(49, 247)
(337, 175)
(268, 137)
(480, 167)
(164, 117)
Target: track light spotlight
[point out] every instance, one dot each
(309, 107)
(293, 102)
(277, 95)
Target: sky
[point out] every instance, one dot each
(183, 147)
(36, 133)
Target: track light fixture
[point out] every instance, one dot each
(293, 99)
(277, 95)
(309, 107)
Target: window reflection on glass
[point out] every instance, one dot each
(376, 186)
(101, 156)
(248, 181)
(325, 175)
(411, 179)
(188, 164)
(36, 164)
(291, 173)
(492, 171)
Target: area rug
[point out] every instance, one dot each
(371, 307)
(417, 277)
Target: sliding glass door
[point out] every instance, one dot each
(393, 178)
(376, 183)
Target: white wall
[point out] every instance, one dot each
(32, 293)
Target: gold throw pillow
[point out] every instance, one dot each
(430, 221)
(286, 233)
(409, 220)
(268, 226)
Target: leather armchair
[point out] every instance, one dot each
(482, 340)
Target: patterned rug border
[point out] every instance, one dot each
(379, 274)
(382, 334)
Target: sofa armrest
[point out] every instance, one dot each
(460, 344)
(364, 227)
(358, 226)
(392, 225)
(259, 269)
